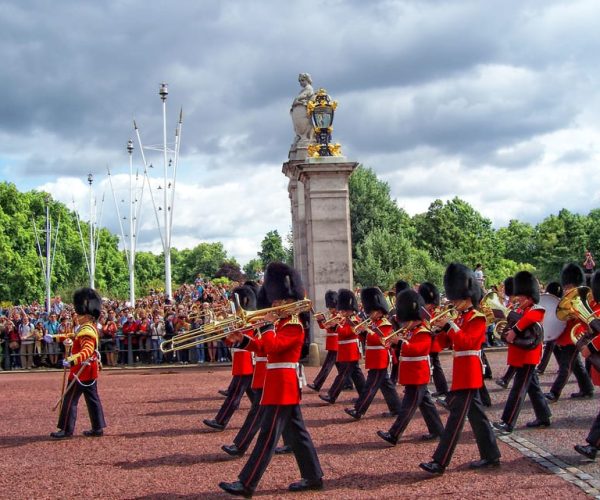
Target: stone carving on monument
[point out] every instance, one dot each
(302, 123)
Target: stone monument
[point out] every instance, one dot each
(318, 190)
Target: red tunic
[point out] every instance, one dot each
(331, 337)
(518, 356)
(377, 356)
(467, 369)
(241, 362)
(439, 342)
(565, 337)
(283, 347)
(84, 348)
(596, 343)
(414, 357)
(348, 350)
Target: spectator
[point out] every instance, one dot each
(27, 336)
(52, 348)
(588, 263)
(479, 275)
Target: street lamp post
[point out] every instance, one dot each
(131, 260)
(163, 92)
(92, 239)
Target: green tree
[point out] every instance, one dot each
(253, 268)
(271, 249)
(517, 241)
(202, 260)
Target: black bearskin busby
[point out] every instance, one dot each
(526, 284)
(400, 286)
(372, 299)
(460, 284)
(409, 306)
(87, 301)
(254, 285)
(509, 286)
(331, 299)
(346, 300)
(555, 289)
(430, 293)
(246, 297)
(282, 282)
(572, 275)
(595, 286)
(261, 299)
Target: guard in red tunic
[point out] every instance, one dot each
(241, 370)
(431, 297)
(331, 339)
(524, 353)
(282, 342)
(84, 366)
(567, 356)
(467, 334)
(414, 369)
(593, 439)
(378, 356)
(555, 289)
(399, 286)
(348, 348)
(505, 379)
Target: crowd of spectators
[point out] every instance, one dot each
(128, 335)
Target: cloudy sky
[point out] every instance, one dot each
(494, 102)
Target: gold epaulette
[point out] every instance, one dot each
(88, 331)
(385, 322)
(294, 319)
(422, 329)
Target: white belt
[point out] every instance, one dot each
(262, 359)
(343, 342)
(295, 366)
(460, 354)
(376, 347)
(331, 335)
(237, 349)
(414, 358)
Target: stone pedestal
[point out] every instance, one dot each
(318, 190)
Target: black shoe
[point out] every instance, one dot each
(94, 433)
(386, 436)
(538, 423)
(60, 435)
(582, 395)
(551, 397)
(349, 387)
(429, 437)
(502, 383)
(223, 392)
(484, 463)
(326, 398)
(353, 413)
(439, 394)
(442, 402)
(354, 400)
(588, 450)
(282, 450)
(313, 387)
(213, 424)
(503, 427)
(389, 414)
(432, 467)
(232, 449)
(306, 484)
(236, 488)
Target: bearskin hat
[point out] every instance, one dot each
(509, 286)
(595, 286)
(526, 284)
(373, 299)
(409, 306)
(346, 300)
(87, 301)
(262, 302)
(460, 283)
(430, 293)
(282, 282)
(331, 299)
(571, 274)
(246, 296)
(254, 285)
(400, 286)
(555, 289)
(477, 293)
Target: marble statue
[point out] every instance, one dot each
(302, 123)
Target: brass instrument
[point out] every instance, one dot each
(400, 333)
(334, 319)
(495, 312)
(447, 312)
(241, 320)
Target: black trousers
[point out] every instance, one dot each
(378, 380)
(252, 423)
(509, 374)
(594, 435)
(439, 378)
(278, 420)
(240, 385)
(325, 370)
(546, 355)
(417, 396)
(68, 412)
(526, 382)
(487, 368)
(347, 370)
(466, 403)
(396, 367)
(569, 361)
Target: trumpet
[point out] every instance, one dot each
(240, 321)
(447, 312)
(400, 333)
